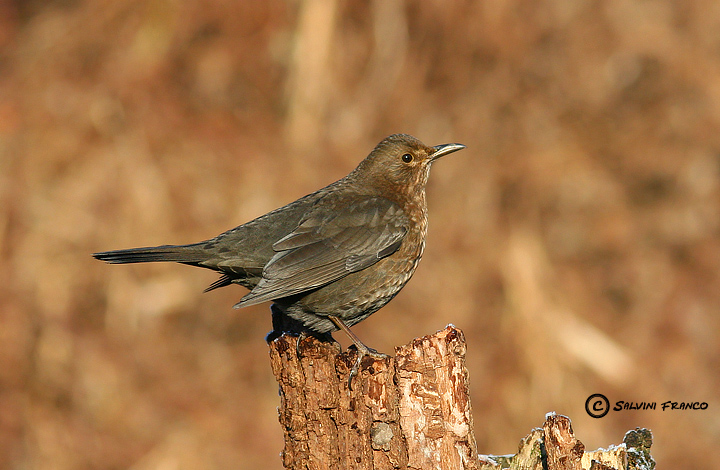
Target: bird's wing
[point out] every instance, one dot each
(326, 247)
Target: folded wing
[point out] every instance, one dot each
(326, 247)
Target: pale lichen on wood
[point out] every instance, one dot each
(435, 411)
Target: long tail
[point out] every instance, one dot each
(190, 254)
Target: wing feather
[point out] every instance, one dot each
(327, 247)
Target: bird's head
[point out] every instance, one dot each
(401, 163)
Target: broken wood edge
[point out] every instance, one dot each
(412, 411)
(555, 447)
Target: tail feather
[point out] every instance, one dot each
(190, 254)
(224, 280)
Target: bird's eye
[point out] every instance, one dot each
(407, 158)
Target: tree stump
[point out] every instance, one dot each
(412, 411)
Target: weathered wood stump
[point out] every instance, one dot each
(412, 411)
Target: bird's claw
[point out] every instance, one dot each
(362, 350)
(361, 353)
(301, 336)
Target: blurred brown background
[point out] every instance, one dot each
(575, 241)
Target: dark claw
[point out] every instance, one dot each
(361, 353)
(359, 345)
(301, 336)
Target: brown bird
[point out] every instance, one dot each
(332, 258)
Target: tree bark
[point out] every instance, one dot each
(409, 412)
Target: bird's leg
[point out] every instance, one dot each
(362, 349)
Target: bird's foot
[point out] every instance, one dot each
(322, 337)
(363, 351)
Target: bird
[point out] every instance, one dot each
(329, 259)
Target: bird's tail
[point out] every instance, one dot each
(190, 254)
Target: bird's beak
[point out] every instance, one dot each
(442, 150)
